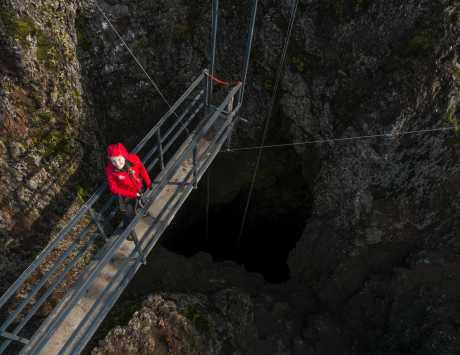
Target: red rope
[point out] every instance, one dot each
(218, 81)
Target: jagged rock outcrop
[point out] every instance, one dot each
(203, 307)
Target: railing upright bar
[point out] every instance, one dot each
(138, 248)
(177, 134)
(160, 148)
(207, 87)
(230, 109)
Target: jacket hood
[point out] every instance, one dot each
(114, 150)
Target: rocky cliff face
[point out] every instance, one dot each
(48, 142)
(376, 268)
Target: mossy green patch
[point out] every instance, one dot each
(18, 27)
(23, 29)
(54, 142)
(47, 52)
(77, 97)
(46, 116)
(52, 137)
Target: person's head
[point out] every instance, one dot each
(118, 161)
(117, 155)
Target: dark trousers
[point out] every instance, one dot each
(127, 208)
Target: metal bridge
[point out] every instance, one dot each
(181, 150)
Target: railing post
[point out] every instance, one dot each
(160, 148)
(207, 88)
(100, 228)
(137, 246)
(230, 105)
(195, 177)
(230, 109)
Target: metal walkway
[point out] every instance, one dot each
(177, 152)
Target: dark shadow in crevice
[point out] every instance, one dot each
(274, 223)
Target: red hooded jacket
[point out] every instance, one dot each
(126, 182)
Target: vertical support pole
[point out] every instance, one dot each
(100, 228)
(160, 149)
(247, 58)
(215, 24)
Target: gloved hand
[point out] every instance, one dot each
(140, 200)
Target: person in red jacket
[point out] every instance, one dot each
(126, 176)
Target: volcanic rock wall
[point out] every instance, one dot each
(376, 269)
